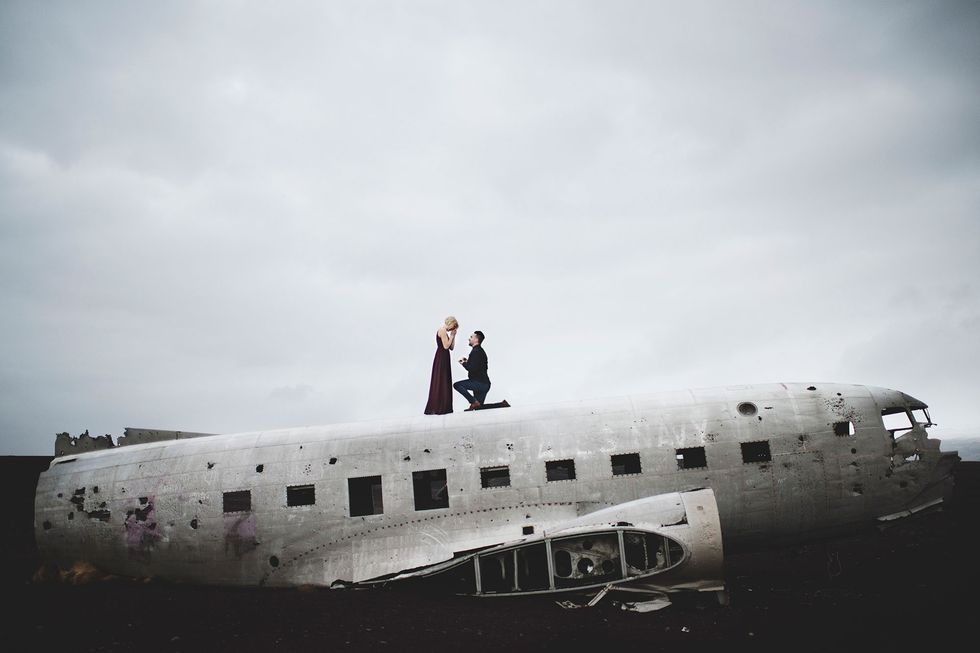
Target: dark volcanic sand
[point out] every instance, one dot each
(898, 588)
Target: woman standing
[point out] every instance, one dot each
(441, 385)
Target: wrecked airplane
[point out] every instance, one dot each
(638, 495)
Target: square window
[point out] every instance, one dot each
(431, 491)
(237, 501)
(365, 496)
(691, 458)
(300, 495)
(756, 452)
(495, 476)
(626, 463)
(560, 470)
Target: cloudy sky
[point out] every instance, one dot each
(226, 216)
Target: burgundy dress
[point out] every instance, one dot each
(441, 386)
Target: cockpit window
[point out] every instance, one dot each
(896, 420)
(921, 416)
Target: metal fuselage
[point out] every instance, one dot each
(163, 509)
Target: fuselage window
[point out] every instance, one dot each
(560, 470)
(756, 452)
(365, 496)
(842, 429)
(237, 501)
(691, 458)
(625, 463)
(495, 476)
(431, 491)
(300, 495)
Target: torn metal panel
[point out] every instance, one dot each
(913, 444)
(65, 444)
(133, 436)
(933, 493)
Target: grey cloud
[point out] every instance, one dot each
(209, 209)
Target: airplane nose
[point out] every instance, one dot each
(913, 403)
(888, 398)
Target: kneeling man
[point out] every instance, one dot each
(478, 381)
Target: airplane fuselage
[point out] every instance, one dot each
(352, 502)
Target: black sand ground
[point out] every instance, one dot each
(912, 586)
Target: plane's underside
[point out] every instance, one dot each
(640, 492)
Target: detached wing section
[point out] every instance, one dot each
(669, 542)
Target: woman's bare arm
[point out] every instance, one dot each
(447, 342)
(452, 340)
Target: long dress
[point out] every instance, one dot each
(441, 385)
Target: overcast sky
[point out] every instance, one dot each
(228, 216)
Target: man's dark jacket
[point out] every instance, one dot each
(476, 365)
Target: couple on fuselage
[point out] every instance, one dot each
(474, 389)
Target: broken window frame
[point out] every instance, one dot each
(682, 458)
(758, 457)
(232, 499)
(668, 546)
(925, 413)
(296, 495)
(490, 474)
(569, 580)
(431, 489)
(671, 546)
(360, 485)
(553, 466)
(625, 460)
(892, 426)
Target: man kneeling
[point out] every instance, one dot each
(476, 365)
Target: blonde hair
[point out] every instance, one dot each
(451, 322)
